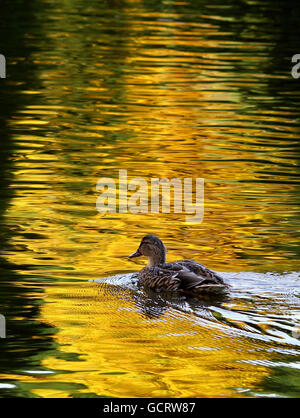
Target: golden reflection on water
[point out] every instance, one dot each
(156, 107)
(124, 353)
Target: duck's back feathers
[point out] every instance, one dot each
(198, 269)
(185, 276)
(159, 279)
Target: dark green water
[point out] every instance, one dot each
(166, 89)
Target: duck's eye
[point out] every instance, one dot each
(145, 247)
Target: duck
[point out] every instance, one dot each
(187, 276)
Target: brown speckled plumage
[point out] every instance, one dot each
(185, 275)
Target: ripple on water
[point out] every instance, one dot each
(261, 306)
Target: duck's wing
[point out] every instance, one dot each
(186, 275)
(197, 279)
(193, 284)
(200, 270)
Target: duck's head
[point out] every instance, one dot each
(153, 248)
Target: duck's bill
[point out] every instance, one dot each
(136, 254)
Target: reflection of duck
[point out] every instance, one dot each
(186, 276)
(153, 304)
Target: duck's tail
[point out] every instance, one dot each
(211, 289)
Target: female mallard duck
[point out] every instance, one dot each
(185, 275)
